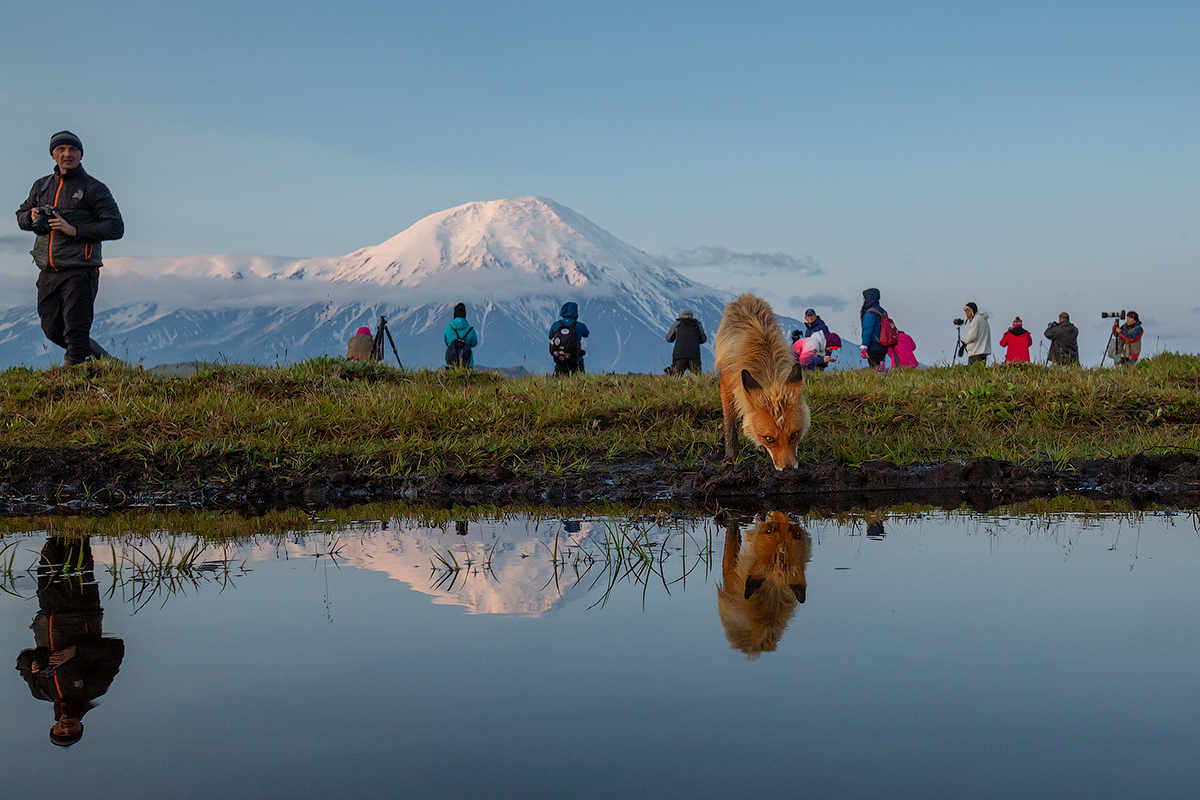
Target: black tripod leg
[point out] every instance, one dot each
(392, 342)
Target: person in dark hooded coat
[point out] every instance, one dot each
(688, 334)
(568, 356)
(872, 315)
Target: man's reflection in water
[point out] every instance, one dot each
(762, 582)
(72, 663)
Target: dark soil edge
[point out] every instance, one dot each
(36, 481)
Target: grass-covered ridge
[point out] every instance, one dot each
(402, 422)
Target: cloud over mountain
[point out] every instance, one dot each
(747, 264)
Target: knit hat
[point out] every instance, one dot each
(974, 308)
(65, 137)
(685, 315)
(364, 332)
(1016, 322)
(460, 310)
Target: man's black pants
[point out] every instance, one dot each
(66, 305)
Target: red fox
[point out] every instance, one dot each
(762, 582)
(760, 382)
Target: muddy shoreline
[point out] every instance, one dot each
(35, 481)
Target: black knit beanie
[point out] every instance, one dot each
(460, 310)
(65, 137)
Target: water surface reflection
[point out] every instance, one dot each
(72, 663)
(469, 655)
(762, 581)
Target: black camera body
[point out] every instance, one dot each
(958, 321)
(41, 225)
(1107, 314)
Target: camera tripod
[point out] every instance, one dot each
(959, 347)
(1108, 347)
(380, 332)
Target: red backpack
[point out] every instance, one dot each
(889, 334)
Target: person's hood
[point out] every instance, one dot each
(569, 313)
(983, 314)
(460, 324)
(819, 338)
(870, 298)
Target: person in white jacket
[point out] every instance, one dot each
(978, 341)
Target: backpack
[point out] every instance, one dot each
(889, 334)
(458, 353)
(564, 344)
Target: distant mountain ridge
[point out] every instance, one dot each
(512, 262)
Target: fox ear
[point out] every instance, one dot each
(748, 382)
(800, 590)
(796, 375)
(752, 585)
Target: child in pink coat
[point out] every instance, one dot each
(902, 353)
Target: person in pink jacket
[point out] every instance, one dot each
(1016, 341)
(902, 353)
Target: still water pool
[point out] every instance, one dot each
(932, 655)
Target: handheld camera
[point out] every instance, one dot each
(41, 225)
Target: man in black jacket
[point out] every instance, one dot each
(688, 334)
(1064, 340)
(67, 248)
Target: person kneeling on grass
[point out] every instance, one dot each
(810, 351)
(361, 346)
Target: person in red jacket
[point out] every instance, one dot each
(1016, 341)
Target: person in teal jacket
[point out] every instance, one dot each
(460, 329)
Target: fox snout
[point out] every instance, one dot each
(784, 460)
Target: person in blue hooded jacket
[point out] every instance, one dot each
(459, 329)
(872, 316)
(566, 341)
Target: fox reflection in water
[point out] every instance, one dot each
(72, 663)
(762, 582)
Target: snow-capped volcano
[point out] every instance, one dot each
(526, 237)
(513, 263)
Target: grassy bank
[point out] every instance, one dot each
(401, 422)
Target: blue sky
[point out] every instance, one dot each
(1033, 157)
